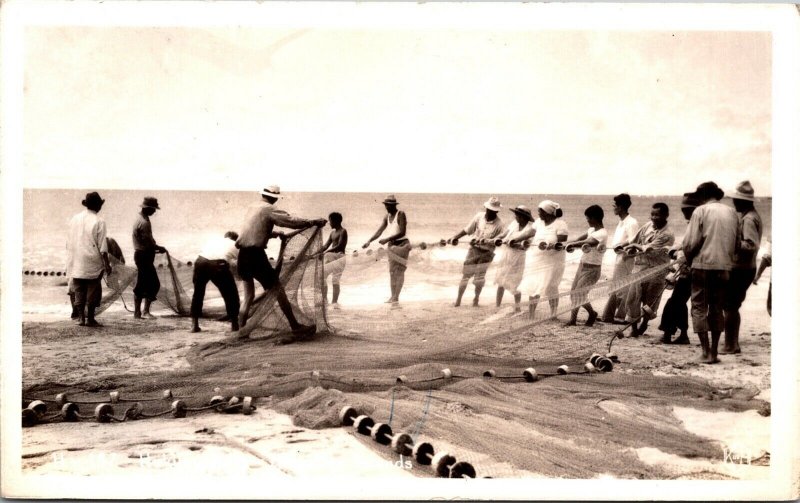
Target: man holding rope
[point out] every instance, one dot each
(144, 254)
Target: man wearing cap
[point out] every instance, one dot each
(675, 315)
(512, 262)
(397, 244)
(744, 265)
(87, 258)
(258, 228)
(588, 272)
(710, 245)
(144, 255)
(623, 235)
(652, 243)
(483, 226)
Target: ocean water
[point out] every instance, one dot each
(188, 218)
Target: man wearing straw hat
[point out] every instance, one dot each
(744, 266)
(144, 254)
(253, 263)
(87, 258)
(709, 245)
(483, 226)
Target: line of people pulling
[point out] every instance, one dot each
(715, 263)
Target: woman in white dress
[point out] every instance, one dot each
(547, 265)
(512, 263)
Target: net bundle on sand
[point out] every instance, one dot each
(390, 364)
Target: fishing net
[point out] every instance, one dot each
(388, 361)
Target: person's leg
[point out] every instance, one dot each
(462, 287)
(592, 277)
(574, 297)
(223, 280)
(682, 294)
(718, 283)
(533, 302)
(499, 296)
(249, 294)
(286, 307)
(200, 277)
(93, 296)
(740, 281)
(336, 290)
(479, 280)
(611, 303)
(81, 291)
(139, 259)
(517, 301)
(400, 264)
(153, 285)
(626, 270)
(769, 299)
(633, 300)
(700, 311)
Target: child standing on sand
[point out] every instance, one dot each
(334, 257)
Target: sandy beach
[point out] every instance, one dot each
(295, 432)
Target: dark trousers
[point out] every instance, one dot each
(676, 315)
(219, 273)
(708, 299)
(147, 283)
(87, 292)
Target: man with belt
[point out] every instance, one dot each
(87, 258)
(483, 226)
(144, 254)
(214, 264)
(253, 264)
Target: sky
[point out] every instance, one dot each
(397, 110)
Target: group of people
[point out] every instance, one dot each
(713, 265)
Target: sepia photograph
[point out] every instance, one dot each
(333, 250)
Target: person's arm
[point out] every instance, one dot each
(469, 229)
(401, 223)
(661, 242)
(693, 239)
(766, 261)
(324, 246)
(377, 234)
(751, 238)
(102, 245)
(283, 219)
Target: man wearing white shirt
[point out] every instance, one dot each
(623, 235)
(214, 264)
(87, 258)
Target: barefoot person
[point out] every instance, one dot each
(397, 245)
(144, 254)
(87, 258)
(113, 251)
(334, 249)
(258, 228)
(709, 245)
(484, 226)
(512, 263)
(214, 264)
(652, 243)
(623, 234)
(548, 264)
(744, 265)
(588, 272)
(675, 315)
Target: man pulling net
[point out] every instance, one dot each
(253, 263)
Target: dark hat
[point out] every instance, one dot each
(390, 199)
(709, 190)
(92, 199)
(690, 200)
(150, 202)
(523, 211)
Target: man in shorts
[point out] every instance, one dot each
(253, 263)
(485, 225)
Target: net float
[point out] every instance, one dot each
(453, 242)
(633, 252)
(219, 401)
(530, 374)
(134, 411)
(247, 405)
(441, 464)
(473, 241)
(619, 249)
(38, 407)
(601, 247)
(423, 246)
(489, 373)
(443, 242)
(166, 394)
(178, 409)
(589, 367)
(604, 364)
(542, 245)
(380, 432)
(61, 399)
(69, 412)
(613, 357)
(403, 444)
(29, 418)
(446, 374)
(423, 453)
(570, 248)
(114, 396)
(648, 311)
(563, 369)
(558, 246)
(462, 470)
(103, 413)
(498, 242)
(347, 415)
(401, 379)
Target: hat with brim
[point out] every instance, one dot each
(390, 199)
(93, 199)
(523, 212)
(744, 191)
(272, 191)
(708, 190)
(493, 204)
(150, 202)
(690, 200)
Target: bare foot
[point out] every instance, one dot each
(93, 324)
(709, 360)
(194, 330)
(730, 351)
(148, 316)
